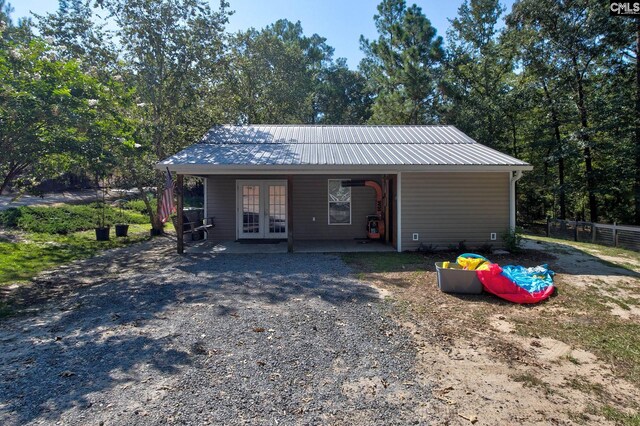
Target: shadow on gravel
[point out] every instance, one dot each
(275, 278)
(109, 321)
(95, 342)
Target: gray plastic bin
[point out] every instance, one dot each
(457, 280)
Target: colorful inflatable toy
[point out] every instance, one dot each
(513, 283)
(518, 284)
(472, 262)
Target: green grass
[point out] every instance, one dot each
(619, 417)
(37, 252)
(383, 262)
(529, 380)
(618, 302)
(572, 359)
(584, 385)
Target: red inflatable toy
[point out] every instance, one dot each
(494, 282)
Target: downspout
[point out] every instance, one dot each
(514, 177)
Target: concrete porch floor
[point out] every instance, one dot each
(310, 246)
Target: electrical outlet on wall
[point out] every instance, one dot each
(416, 236)
(494, 236)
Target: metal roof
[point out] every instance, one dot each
(265, 146)
(311, 134)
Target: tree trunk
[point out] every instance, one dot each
(563, 195)
(555, 122)
(6, 181)
(147, 203)
(156, 224)
(636, 183)
(586, 151)
(143, 195)
(545, 179)
(13, 172)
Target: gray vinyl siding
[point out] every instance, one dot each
(446, 208)
(310, 199)
(221, 204)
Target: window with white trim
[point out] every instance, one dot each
(339, 203)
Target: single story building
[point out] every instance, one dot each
(410, 185)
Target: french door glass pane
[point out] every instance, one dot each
(277, 209)
(251, 209)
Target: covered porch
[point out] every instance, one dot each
(305, 213)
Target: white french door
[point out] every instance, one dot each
(262, 208)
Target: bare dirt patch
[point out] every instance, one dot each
(499, 363)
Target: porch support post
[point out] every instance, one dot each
(179, 213)
(290, 214)
(206, 201)
(385, 198)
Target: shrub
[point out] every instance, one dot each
(427, 249)
(138, 205)
(9, 218)
(512, 239)
(486, 248)
(65, 219)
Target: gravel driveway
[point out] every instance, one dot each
(142, 336)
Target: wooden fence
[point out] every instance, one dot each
(624, 236)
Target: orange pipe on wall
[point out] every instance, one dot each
(379, 210)
(378, 189)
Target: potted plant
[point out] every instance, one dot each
(102, 230)
(122, 227)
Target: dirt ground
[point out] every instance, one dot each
(491, 368)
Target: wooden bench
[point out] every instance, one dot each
(194, 228)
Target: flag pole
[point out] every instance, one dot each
(179, 213)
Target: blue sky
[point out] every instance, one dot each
(340, 21)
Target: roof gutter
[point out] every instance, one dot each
(273, 169)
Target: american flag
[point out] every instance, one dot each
(166, 206)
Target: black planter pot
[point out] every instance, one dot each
(102, 234)
(155, 232)
(122, 230)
